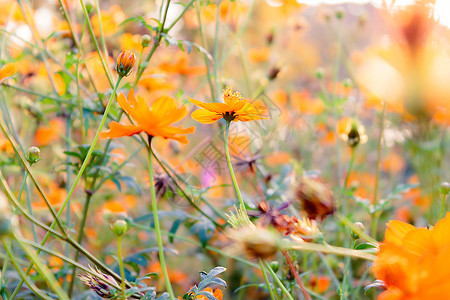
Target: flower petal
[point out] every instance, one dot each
(205, 116)
(118, 130)
(214, 107)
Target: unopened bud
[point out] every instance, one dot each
(360, 227)
(347, 83)
(89, 6)
(445, 188)
(339, 14)
(275, 265)
(319, 73)
(125, 63)
(119, 227)
(33, 155)
(146, 40)
(273, 73)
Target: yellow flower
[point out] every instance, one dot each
(7, 71)
(235, 108)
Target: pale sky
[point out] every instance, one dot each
(442, 10)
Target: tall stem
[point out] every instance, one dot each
(278, 281)
(80, 239)
(122, 270)
(230, 166)
(376, 214)
(295, 274)
(266, 279)
(72, 189)
(156, 220)
(441, 213)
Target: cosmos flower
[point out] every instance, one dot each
(156, 120)
(7, 71)
(235, 108)
(413, 262)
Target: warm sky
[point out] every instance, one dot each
(442, 10)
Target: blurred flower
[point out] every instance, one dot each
(256, 241)
(130, 41)
(303, 102)
(47, 134)
(257, 55)
(413, 262)
(110, 20)
(351, 131)
(235, 108)
(99, 286)
(155, 120)
(314, 197)
(7, 71)
(320, 283)
(180, 65)
(410, 74)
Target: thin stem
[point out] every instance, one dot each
(266, 279)
(30, 209)
(72, 189)
(295, 274)
(230, 166)
(343, 288)
(26, 279)
(44, 271)
(278, 281)
(376, 214)
(80, 239)
(441, 213)
(157, 225)
(208, 68)
(122, 270)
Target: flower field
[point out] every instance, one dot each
(228, 149)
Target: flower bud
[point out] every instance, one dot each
(125, 63)
(275, 266)
(146, 40)
(119, 227)
(339, 14)
(360, 227)
(319, 73)
(33, 155)
(273, 73)
(445, 188)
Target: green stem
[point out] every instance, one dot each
(376, 214)
(230, 166)
(72, 189)
(441, 213)
(44, 271)
(344, 188)
(80, 239)
(30, 209)
(343, 288)
(122, 270)
(278, 281)
(266, 279)
(25, 278)
(156, 220)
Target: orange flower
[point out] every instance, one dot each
(180, 65)
(413, 262)
(6, 71)
(217, 293)
(235, 108)
(155, 120)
